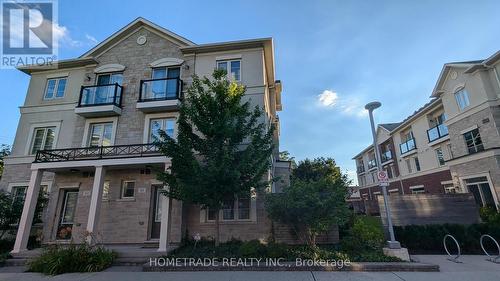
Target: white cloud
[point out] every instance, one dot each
(91, 38)
(348, 106)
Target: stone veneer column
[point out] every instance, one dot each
(95, 202)
(26, 221)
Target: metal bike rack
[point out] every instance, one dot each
(490, 257)
(451, 258)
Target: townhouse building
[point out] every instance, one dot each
(86, 130)
(450, 145)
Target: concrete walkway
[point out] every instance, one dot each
(473, 268)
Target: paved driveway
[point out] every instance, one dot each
(473, 268)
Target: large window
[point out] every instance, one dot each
(19, 194)
(128, 189)
(100, 134)
(481, 190)
(462, 98)
(473, 141)
(162, 124)
(440, 156)
(43, 138)
(55, 88)
(419, 189)
(233, 68)
(417, 164)
(167, 87)
(238, 209)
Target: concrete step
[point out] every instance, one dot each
(16, 262)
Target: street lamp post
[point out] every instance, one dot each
(392, 244)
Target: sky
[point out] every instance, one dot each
(332, 57)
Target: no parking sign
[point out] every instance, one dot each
(383, 179)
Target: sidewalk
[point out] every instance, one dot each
(473, 268)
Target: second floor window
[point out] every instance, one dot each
(473, 141)
(128, 189)
(100, 134)
(55, 88)
(417, 164)
(233, 68)
(43, 138)
(462, 98)
(440, 156)
(156, 125)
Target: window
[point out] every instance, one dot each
(473, 141)
(128, 189)
(238, 209)
(165, 124)
(417, 164)
(417, 189)
(481, 190)
(43, 138)
(228, 210)
(166, 85)
(462, 98)
(244, 208)
(233, 68)
(110, 78)
(19, 194)
(105, 191)
(100, 134)
(440, 156)
(55, 88)
(408, 165)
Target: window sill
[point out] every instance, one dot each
(132, 199)
(232, 222)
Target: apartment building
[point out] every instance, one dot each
(86, 130)
(450, 145)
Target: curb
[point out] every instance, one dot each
(354, 266)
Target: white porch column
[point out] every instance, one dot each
(95, 202)
(23, 232)
(165, 208)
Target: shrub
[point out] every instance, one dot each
(74, 258)
(252, 249)
(489, 215)
(365, 235)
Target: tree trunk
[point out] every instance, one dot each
(217, 229)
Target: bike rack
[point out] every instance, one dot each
(451, 258)
(490, 257)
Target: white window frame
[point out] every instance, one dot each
(417, 189)
(101, 136)
(56, 87)
(89, 122)
(122, 190)
(228, 62)
(29, 144)
(462, 98)
(487, 175)
(147, 122)
(475, 145)
(252, 211)
(164, 122)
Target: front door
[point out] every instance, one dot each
(480, 189)
(68, 209)
(156, 211)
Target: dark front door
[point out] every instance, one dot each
(156, 212)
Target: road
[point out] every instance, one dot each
(473, 268)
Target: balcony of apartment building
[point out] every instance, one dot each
(438, 131)
(360, 166)
(408, 144)
(372, 163)
(100, 100)
(161, 94)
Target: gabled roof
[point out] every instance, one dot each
(417, 113)
(390, 126)
(134, 25)
(61, 64)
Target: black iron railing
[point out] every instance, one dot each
(108, 94)
(95, 153)
(361, 169)
(160, 89)
(437, 132)
(372, 163)
(386, 156)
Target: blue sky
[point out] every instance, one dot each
(332, 56)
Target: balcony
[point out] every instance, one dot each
(100, 100)
(437, 132)
(372, 164)
(407, 146)
(360, 169)
(386, 156)
(97, 153)
(160, 94)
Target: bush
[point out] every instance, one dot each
(489, 215)
(429, 238)
(252, 249)
(364, 236)
(74, 258)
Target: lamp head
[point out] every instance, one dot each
(372, 105)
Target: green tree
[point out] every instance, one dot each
(223, 147)
(10, 212)
(4, 151)
(314, 201)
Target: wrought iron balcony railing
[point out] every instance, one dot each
(372, 163)
(160, 89)
(96, 153)
(437, 132)
(386, 156)
(407, 146)
(361, 169)
(109, 94)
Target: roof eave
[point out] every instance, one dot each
(63, 64)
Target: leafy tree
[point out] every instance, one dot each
(223, 146)
(4, 151)
(10, 212)
(314, 201)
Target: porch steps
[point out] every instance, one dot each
(22, 259)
